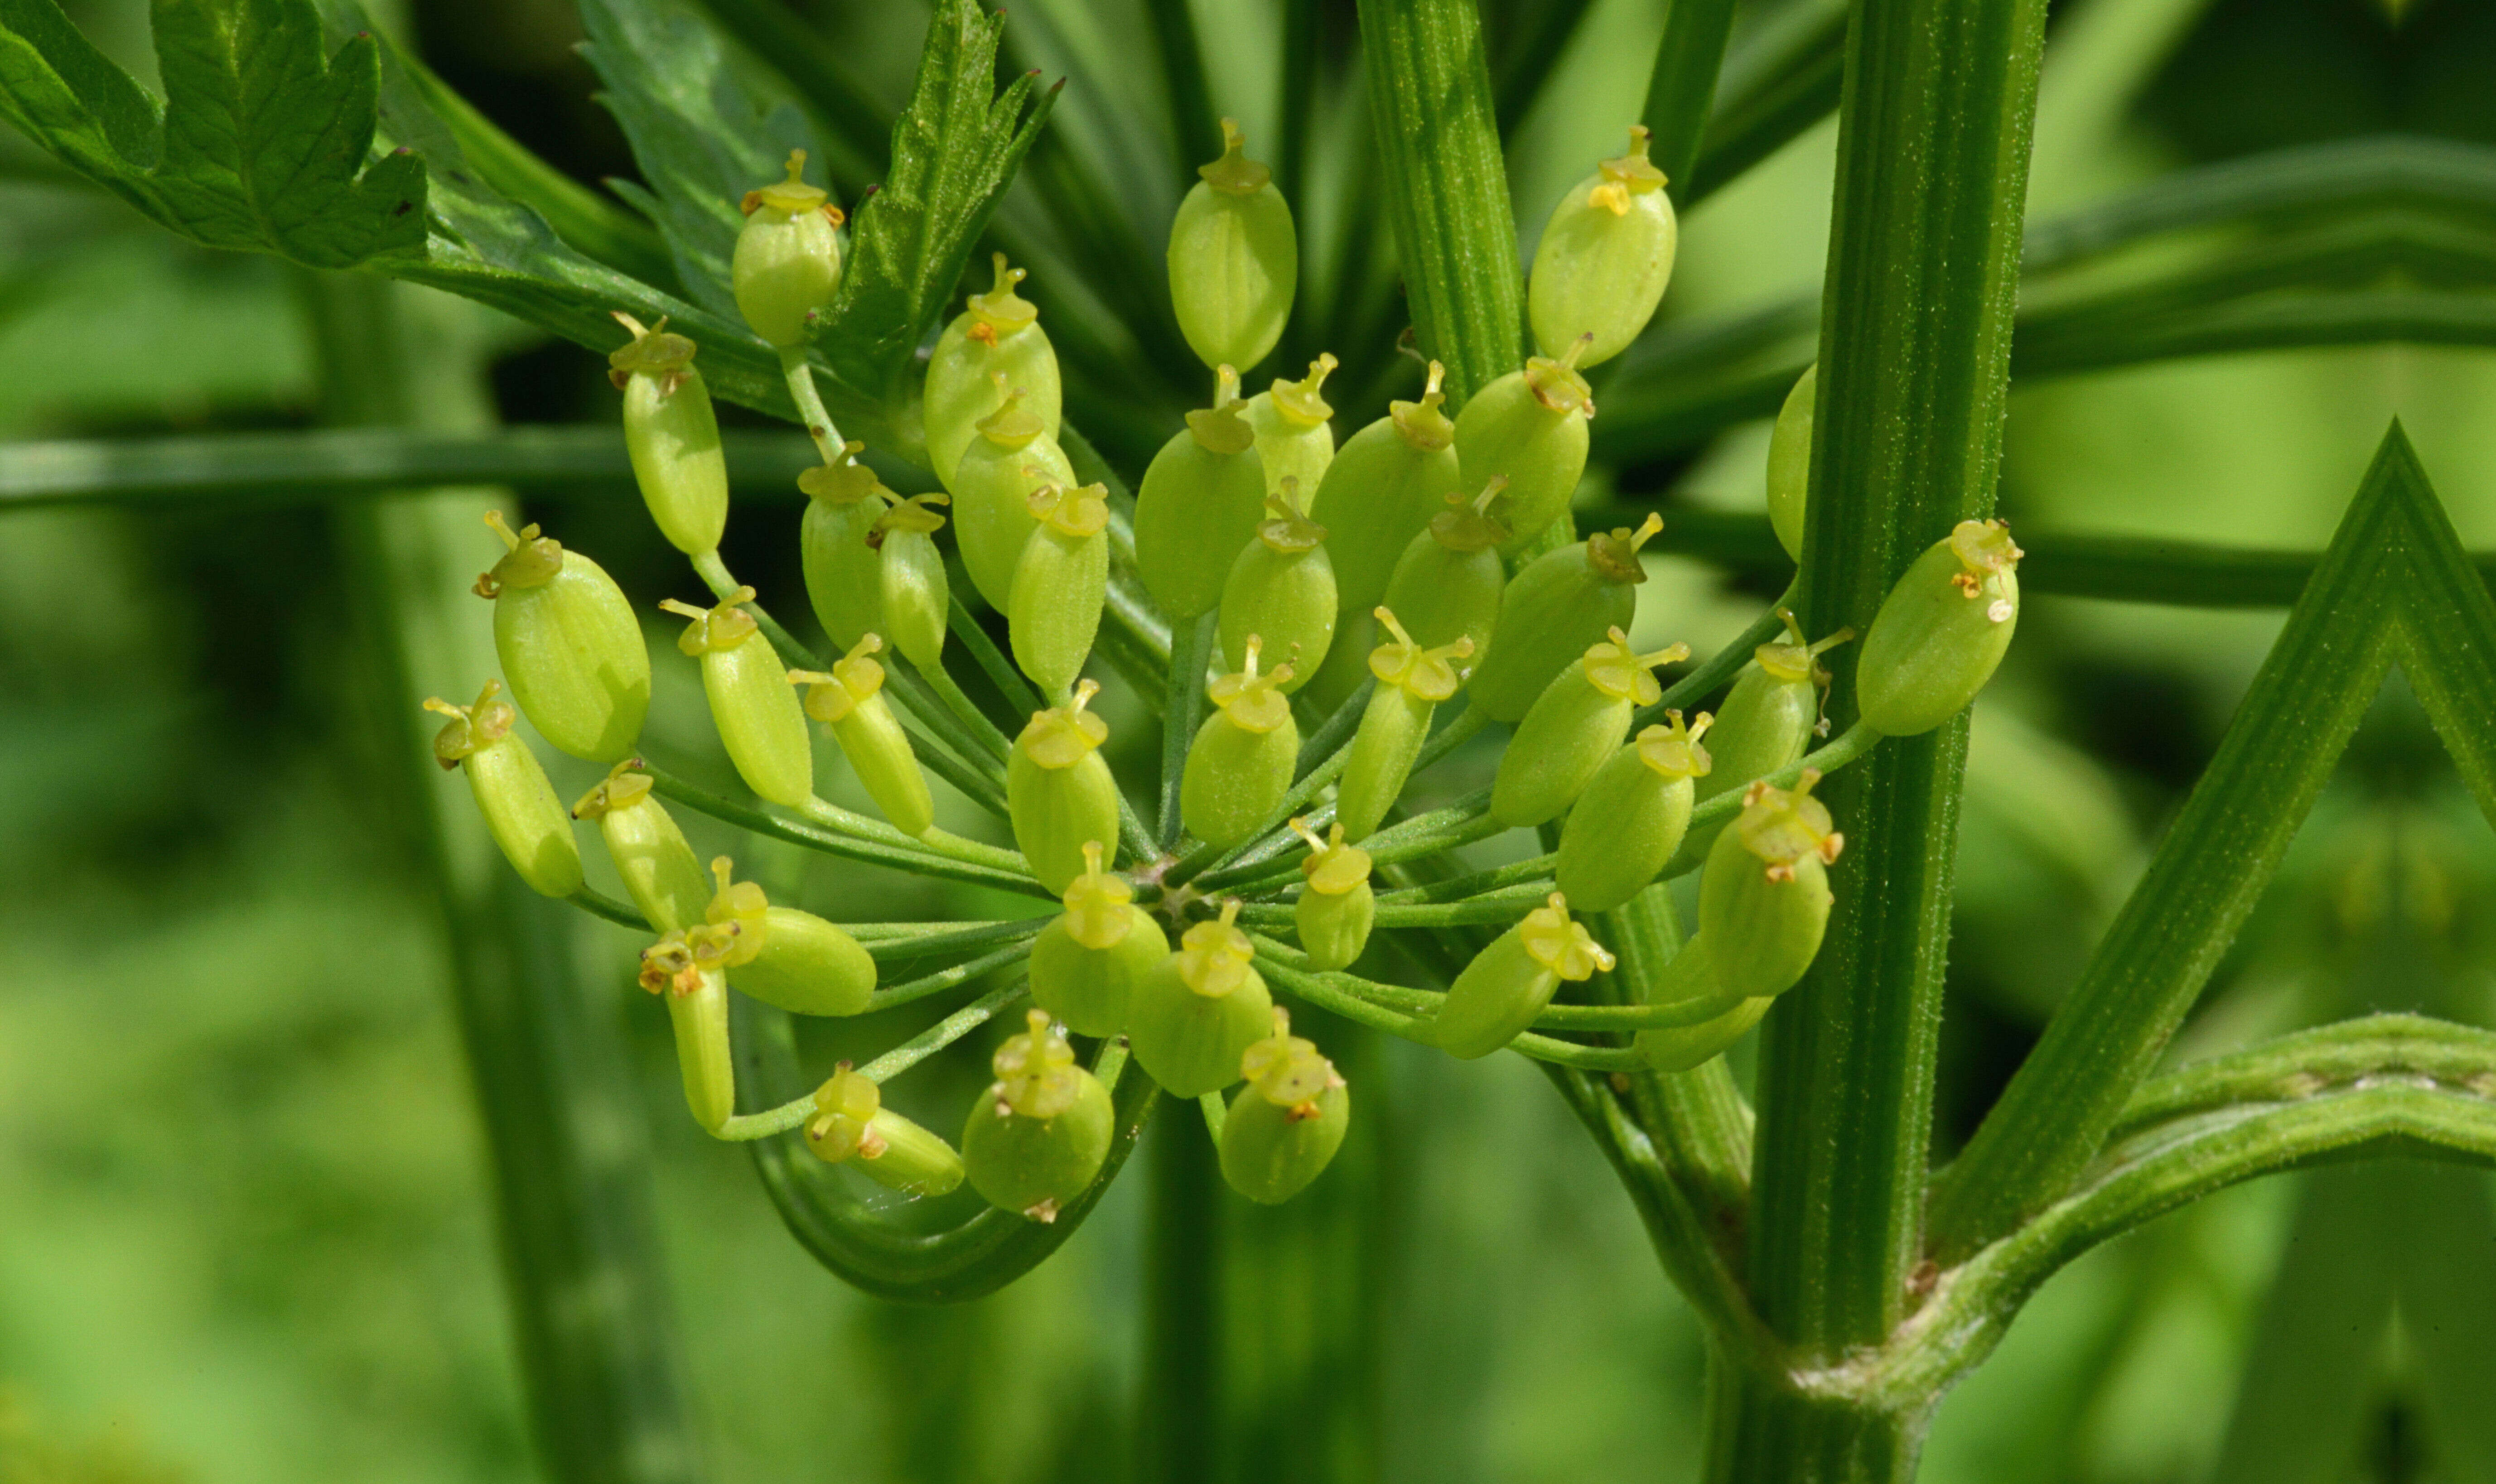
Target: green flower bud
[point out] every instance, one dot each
(1449, 582)
(1790, 462)
(1941, 631)
(522, 812)
(1336, 908)
(1632, 816)
(1239, 766)
(750, 700)
(992, 487)
(659, 873)
(1086, 964)
(567, 641)
(1771, 714)
(1060, 584)
(1764, 894)
(1510, 982)
(788, 259)
(1295, 438)
(853, 1127)
(671, 436)
(1200, 505)
(1561, 602)
(687, 969)
(1284, 1126)
(1282, 586)
(917, 595)
(1381, 490)
(1686, 1049)
(1059, 793)
(1197, 1011)
(995, 339)
(785, 957)
(1412, 681)
(1234, 261)
(1605, 258)
(1039, 1135)
(838, 549)
(851, 701)
(1531, 427)
(1573, 728)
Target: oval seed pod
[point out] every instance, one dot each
(1562, 601)
(1573, 730)
(522, 812)
(1605, 258)
(1941, 631)
(1041, 1133)
(851, 1126)
(996, 337)
(1685, 1048)
(1531, 427)
(1450, 583)
(788, 260)
(1771, 714)
(1381, 490)
(1790, 462)
(1764, 894)
(687, 969)
(1632, 816)
(1059, 793)
(1412, 681)
(782, 956)
(1295, 438)
(1200, 505)
(568, 644)
(1239, 766)
(992, 486)
(672, 434)
(910, 571)
(659, 873)
(851, 702)
(1060, 584)
(751, 703)
(1282, 586)
(1336, 908)
(1510, 982)
(838, 548)
(1086, 964)
(1197, 1011)
(1284, 1126)
(1234, 261)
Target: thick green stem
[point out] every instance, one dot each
(1687, 61)
(1759, 1431)
(1179, 1440)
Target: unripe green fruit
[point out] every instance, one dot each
(751, 705)
(1234, 261)
(1450, 583)
(1086, 964)
(1059, 585)
(1281, 587)
(1059, 793)
(1283, 1128)
(1631, 816)
(522, 810)
(1510, 982)
(852, 1127)
(1337, 908)
(1685, 1048)
(788, 258)
(782, 956)
(1239, 766)
(569, 645)
(1764, 894)
(1771, 714)
(995, 339)
(1790, 462)
(1196, 1012)
(1941, 631)
(1200, 505)
(851, 702)
(688, 971)
(1412, 681)
(1562, 601)
(1041, 1133)
(1605, 258)
(837, 548)
(672, 434)
(1381, 490)
(1530, 427)
(992, 484)
(917, 597)
(1294, 440)
(659, 873)
(1573, 730)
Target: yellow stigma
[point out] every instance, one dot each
(1424, 674)
(1672, 751)
(1036, 1072)
(1300, 402)
(1083, 510)
(723, 626)
(1332, 867)
(1220, 428)
(1286, 1071)
(1250, 701)
(1062, 736)
(855, 676)
(789, 197)
(1096, 903)
(1213, 957)
(1621, 673)
(1783, 825)
(1563, 947)
(1793, 661)
(1002, 312)
(1421, 424)
(1235, 173)
(1614, 554)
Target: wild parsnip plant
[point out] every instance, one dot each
(1318, 626)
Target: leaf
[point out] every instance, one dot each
(262, 143)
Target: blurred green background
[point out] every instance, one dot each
(245, 1230)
